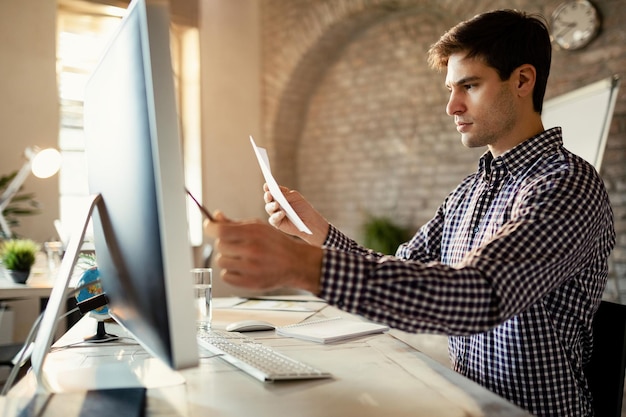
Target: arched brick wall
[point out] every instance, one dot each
(376, 132)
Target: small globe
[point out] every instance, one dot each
(92, 287)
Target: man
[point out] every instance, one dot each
(513, 264)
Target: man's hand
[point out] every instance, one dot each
(315, 222)
(256, 256)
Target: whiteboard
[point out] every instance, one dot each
(585, 116)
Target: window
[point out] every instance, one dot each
(83, 31)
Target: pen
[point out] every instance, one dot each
(200, 206)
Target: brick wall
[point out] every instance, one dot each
(354, 118)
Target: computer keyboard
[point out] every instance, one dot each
(258, 360)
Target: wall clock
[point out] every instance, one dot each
(574, 24)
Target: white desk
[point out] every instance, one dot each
(11, 290)
(372, 376)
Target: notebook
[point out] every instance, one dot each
(330, 330)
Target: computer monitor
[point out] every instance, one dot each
(135, 171)
(134, 161)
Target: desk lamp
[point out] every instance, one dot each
(43, 164)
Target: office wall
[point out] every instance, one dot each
(355, 120)
(230, 67)
(28, 101)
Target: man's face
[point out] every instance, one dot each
(483, 106)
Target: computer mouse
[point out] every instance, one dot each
(249, 326)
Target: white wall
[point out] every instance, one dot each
(28, 106)
(230, 62)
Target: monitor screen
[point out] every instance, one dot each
(134, 162)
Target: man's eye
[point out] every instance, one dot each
(469, 86)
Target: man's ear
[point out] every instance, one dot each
(525, 77)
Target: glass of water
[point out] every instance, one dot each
(202, 285)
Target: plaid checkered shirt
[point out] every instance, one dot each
(512, 267)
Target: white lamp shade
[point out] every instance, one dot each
(46, 163)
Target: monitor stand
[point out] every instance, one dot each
(59, 295)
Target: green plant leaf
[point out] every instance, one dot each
(19, 254)
(383, 235)
(22, 204)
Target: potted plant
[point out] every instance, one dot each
(383, 235)
(17, 257)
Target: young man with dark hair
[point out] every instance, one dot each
(514, 262)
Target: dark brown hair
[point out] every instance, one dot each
(504, 40)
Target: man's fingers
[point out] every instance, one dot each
(272, 207)
(220, 217)
(277, 218)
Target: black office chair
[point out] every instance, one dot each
(605, 371)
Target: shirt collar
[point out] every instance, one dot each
(517, 159)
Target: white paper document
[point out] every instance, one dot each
(264, 163)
